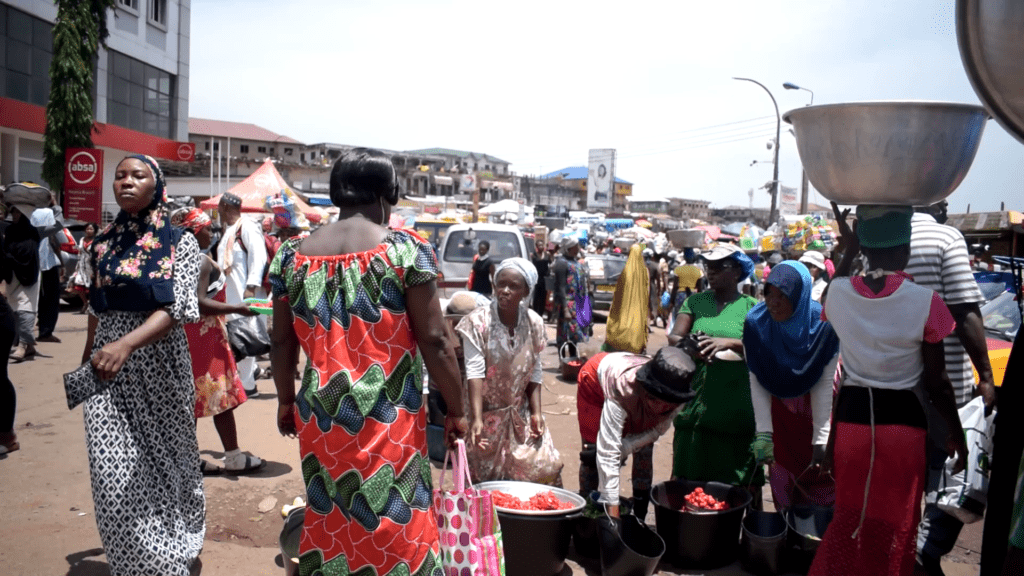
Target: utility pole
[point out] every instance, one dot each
(773, 212)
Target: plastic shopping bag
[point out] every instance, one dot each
(467, 523)
(964, 495)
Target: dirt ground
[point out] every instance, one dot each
(47, 523)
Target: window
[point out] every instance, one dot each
(261, 149)
(131, 5)
(28, 43)
(287, 151)
(157, 12)
(243, 148)
(140, 97)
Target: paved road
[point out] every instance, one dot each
(47, 522)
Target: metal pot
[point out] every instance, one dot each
(988, 33)
(900, 153)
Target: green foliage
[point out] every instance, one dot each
(80, 28)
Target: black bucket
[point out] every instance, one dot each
(535, 545)
(763, 541)
(585, 537)
(699, 539)
(629, 547)
(806, 527)
(291, 533)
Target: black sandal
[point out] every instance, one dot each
(249, 468)
(209, 469)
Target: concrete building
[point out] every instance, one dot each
(687, 209)
(140, 93)
(575, 177)
(758, 216)
(437, 171)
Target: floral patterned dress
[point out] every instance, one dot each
(141, 435)
(574, 287)
(511, 454)
(362, 429)
(218, 387)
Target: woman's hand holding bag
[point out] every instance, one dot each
(467, 522)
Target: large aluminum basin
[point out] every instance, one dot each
(901, 153)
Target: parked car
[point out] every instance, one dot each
(460, 246)
(605, 270)
(1002, 321)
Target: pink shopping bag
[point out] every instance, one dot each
(467, 523)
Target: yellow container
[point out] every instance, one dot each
(768, 243)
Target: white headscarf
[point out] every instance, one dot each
(524, 267)
(568, 242)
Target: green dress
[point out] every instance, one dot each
(714, 431)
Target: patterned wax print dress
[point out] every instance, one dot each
(141, 437)
(576, 286)
(218, 387)
(362, 432)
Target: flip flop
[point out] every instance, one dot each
(209, 469)
(251, 465)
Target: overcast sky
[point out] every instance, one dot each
(538, 83)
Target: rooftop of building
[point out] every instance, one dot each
(238, 130)
(576, 173)
(458, 153)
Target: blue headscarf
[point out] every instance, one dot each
(133, 258)
(789, 357)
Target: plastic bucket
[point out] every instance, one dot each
(762, 542)
(806, 527)
(699, 539)
(291, 533)
(436, 448)
(535, 545)
(629, 547)
(584, 537)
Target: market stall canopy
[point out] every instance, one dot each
(506, 206)
(254, 190)
(985, 221)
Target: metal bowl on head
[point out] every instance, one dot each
(898, 153)
(989, 35)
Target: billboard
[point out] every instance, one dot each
(83, 184)
(789, 201)
(600, 178)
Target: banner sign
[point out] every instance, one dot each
(789, 201)
(83, 184)
(468, 183)
(600, 178)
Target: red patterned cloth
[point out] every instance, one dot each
(362, 434)
(218, 387)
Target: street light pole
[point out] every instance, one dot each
(773, 212)
(804, 185)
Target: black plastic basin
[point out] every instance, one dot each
(629, 547)
(535, 545)
(707, 539)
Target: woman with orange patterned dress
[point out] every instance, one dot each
(218, 388)
(361, 302)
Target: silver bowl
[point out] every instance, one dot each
(525, 490)
(902, 153)
(989, 35)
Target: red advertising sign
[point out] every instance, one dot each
(83, 184)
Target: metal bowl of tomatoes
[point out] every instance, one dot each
(529, 499)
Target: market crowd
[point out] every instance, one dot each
(772, 365)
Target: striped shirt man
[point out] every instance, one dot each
(939, 260)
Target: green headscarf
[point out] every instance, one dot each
(880, 226)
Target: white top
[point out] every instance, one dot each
(821, 404)
(612, 448)
(248, 258)
(818, 288)
(880, 338)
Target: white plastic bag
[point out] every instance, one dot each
(964, 495)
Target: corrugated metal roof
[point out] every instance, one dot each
(459, 153)
(576, 173)
(239, 130)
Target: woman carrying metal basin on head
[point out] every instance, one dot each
(792, 356)
(502, 343)
(878, 438)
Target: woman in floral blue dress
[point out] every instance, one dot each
(140, 432)
(572, 304)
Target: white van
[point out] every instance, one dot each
(456, 253)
